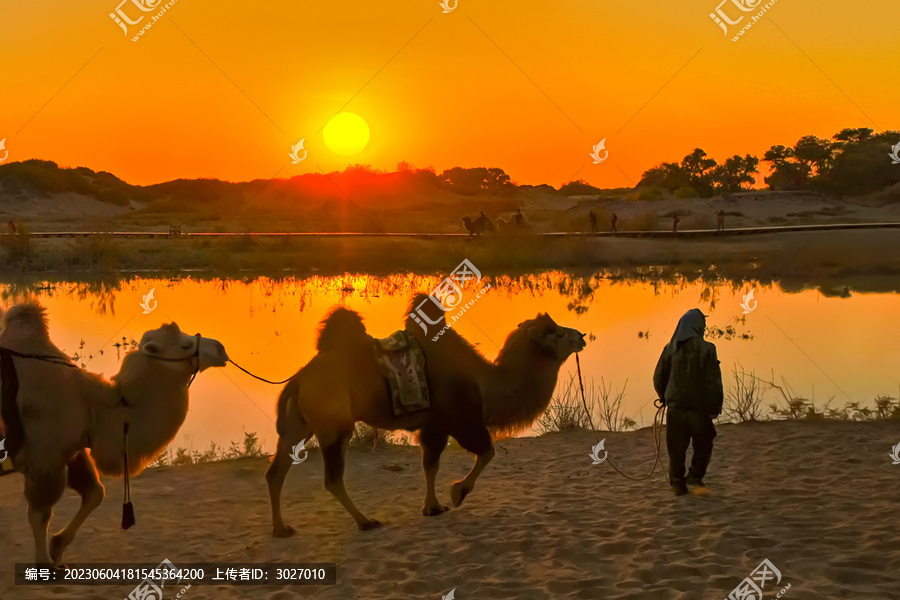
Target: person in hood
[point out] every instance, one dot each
(688, 380)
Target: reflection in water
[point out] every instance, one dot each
(826, 344)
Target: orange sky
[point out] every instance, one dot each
(224, 89)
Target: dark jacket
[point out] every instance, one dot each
(690, 378)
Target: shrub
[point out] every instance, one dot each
(100, 252)
(18, 249)
(686, 192)
(566, 411)
(744, 397)
(611, 407)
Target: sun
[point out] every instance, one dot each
(346, 134)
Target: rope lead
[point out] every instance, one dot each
(657, 430)
(257, 376)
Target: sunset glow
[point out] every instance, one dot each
(524, 86)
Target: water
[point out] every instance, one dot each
(825, 347)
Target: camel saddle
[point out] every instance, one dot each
(402, 363)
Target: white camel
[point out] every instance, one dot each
(63, 424)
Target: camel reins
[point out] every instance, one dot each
(193, 355)
(657, 429)
(127, 507)
(258, 377)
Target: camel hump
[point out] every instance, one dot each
(28, 314)
(339, 327)
(25, 329)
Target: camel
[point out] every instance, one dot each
(63, 424)
(482, 224)
(470, 398)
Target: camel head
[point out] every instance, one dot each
(170, 343)
(552, 338)
(153, 382)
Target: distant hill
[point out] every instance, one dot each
(406, 187)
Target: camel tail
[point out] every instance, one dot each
(288, 394)
(339, 327)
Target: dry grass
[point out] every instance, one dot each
(567, 411)
(744, 397)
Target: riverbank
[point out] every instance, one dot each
(864, 260)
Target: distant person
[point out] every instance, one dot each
(688, 380)
(593, 218)
(11, 226)
(720, 220)
(520, 218)
(613, 220)
(675, 221)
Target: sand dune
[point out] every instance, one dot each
(818, 499)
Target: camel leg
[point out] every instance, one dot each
(481, 444)
(433, 444)
(43, 490)
(333, 455)
(84, 480)
(296, 431)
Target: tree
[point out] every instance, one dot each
(668, 176)
(579, 187)
(852, 135)
(862, 165)
(734, 172)
(473, 181)
(779, 155)
(495, 180)
(812, 151)
(698, 169)
(787, 172)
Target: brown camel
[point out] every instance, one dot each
(62, 424)
(482, 224)
(470, 398)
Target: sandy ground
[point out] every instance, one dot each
(818, 499)
(67, 206)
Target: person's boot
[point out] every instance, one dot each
(679, 487)
(692, 479)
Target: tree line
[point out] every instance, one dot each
(852, 162)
